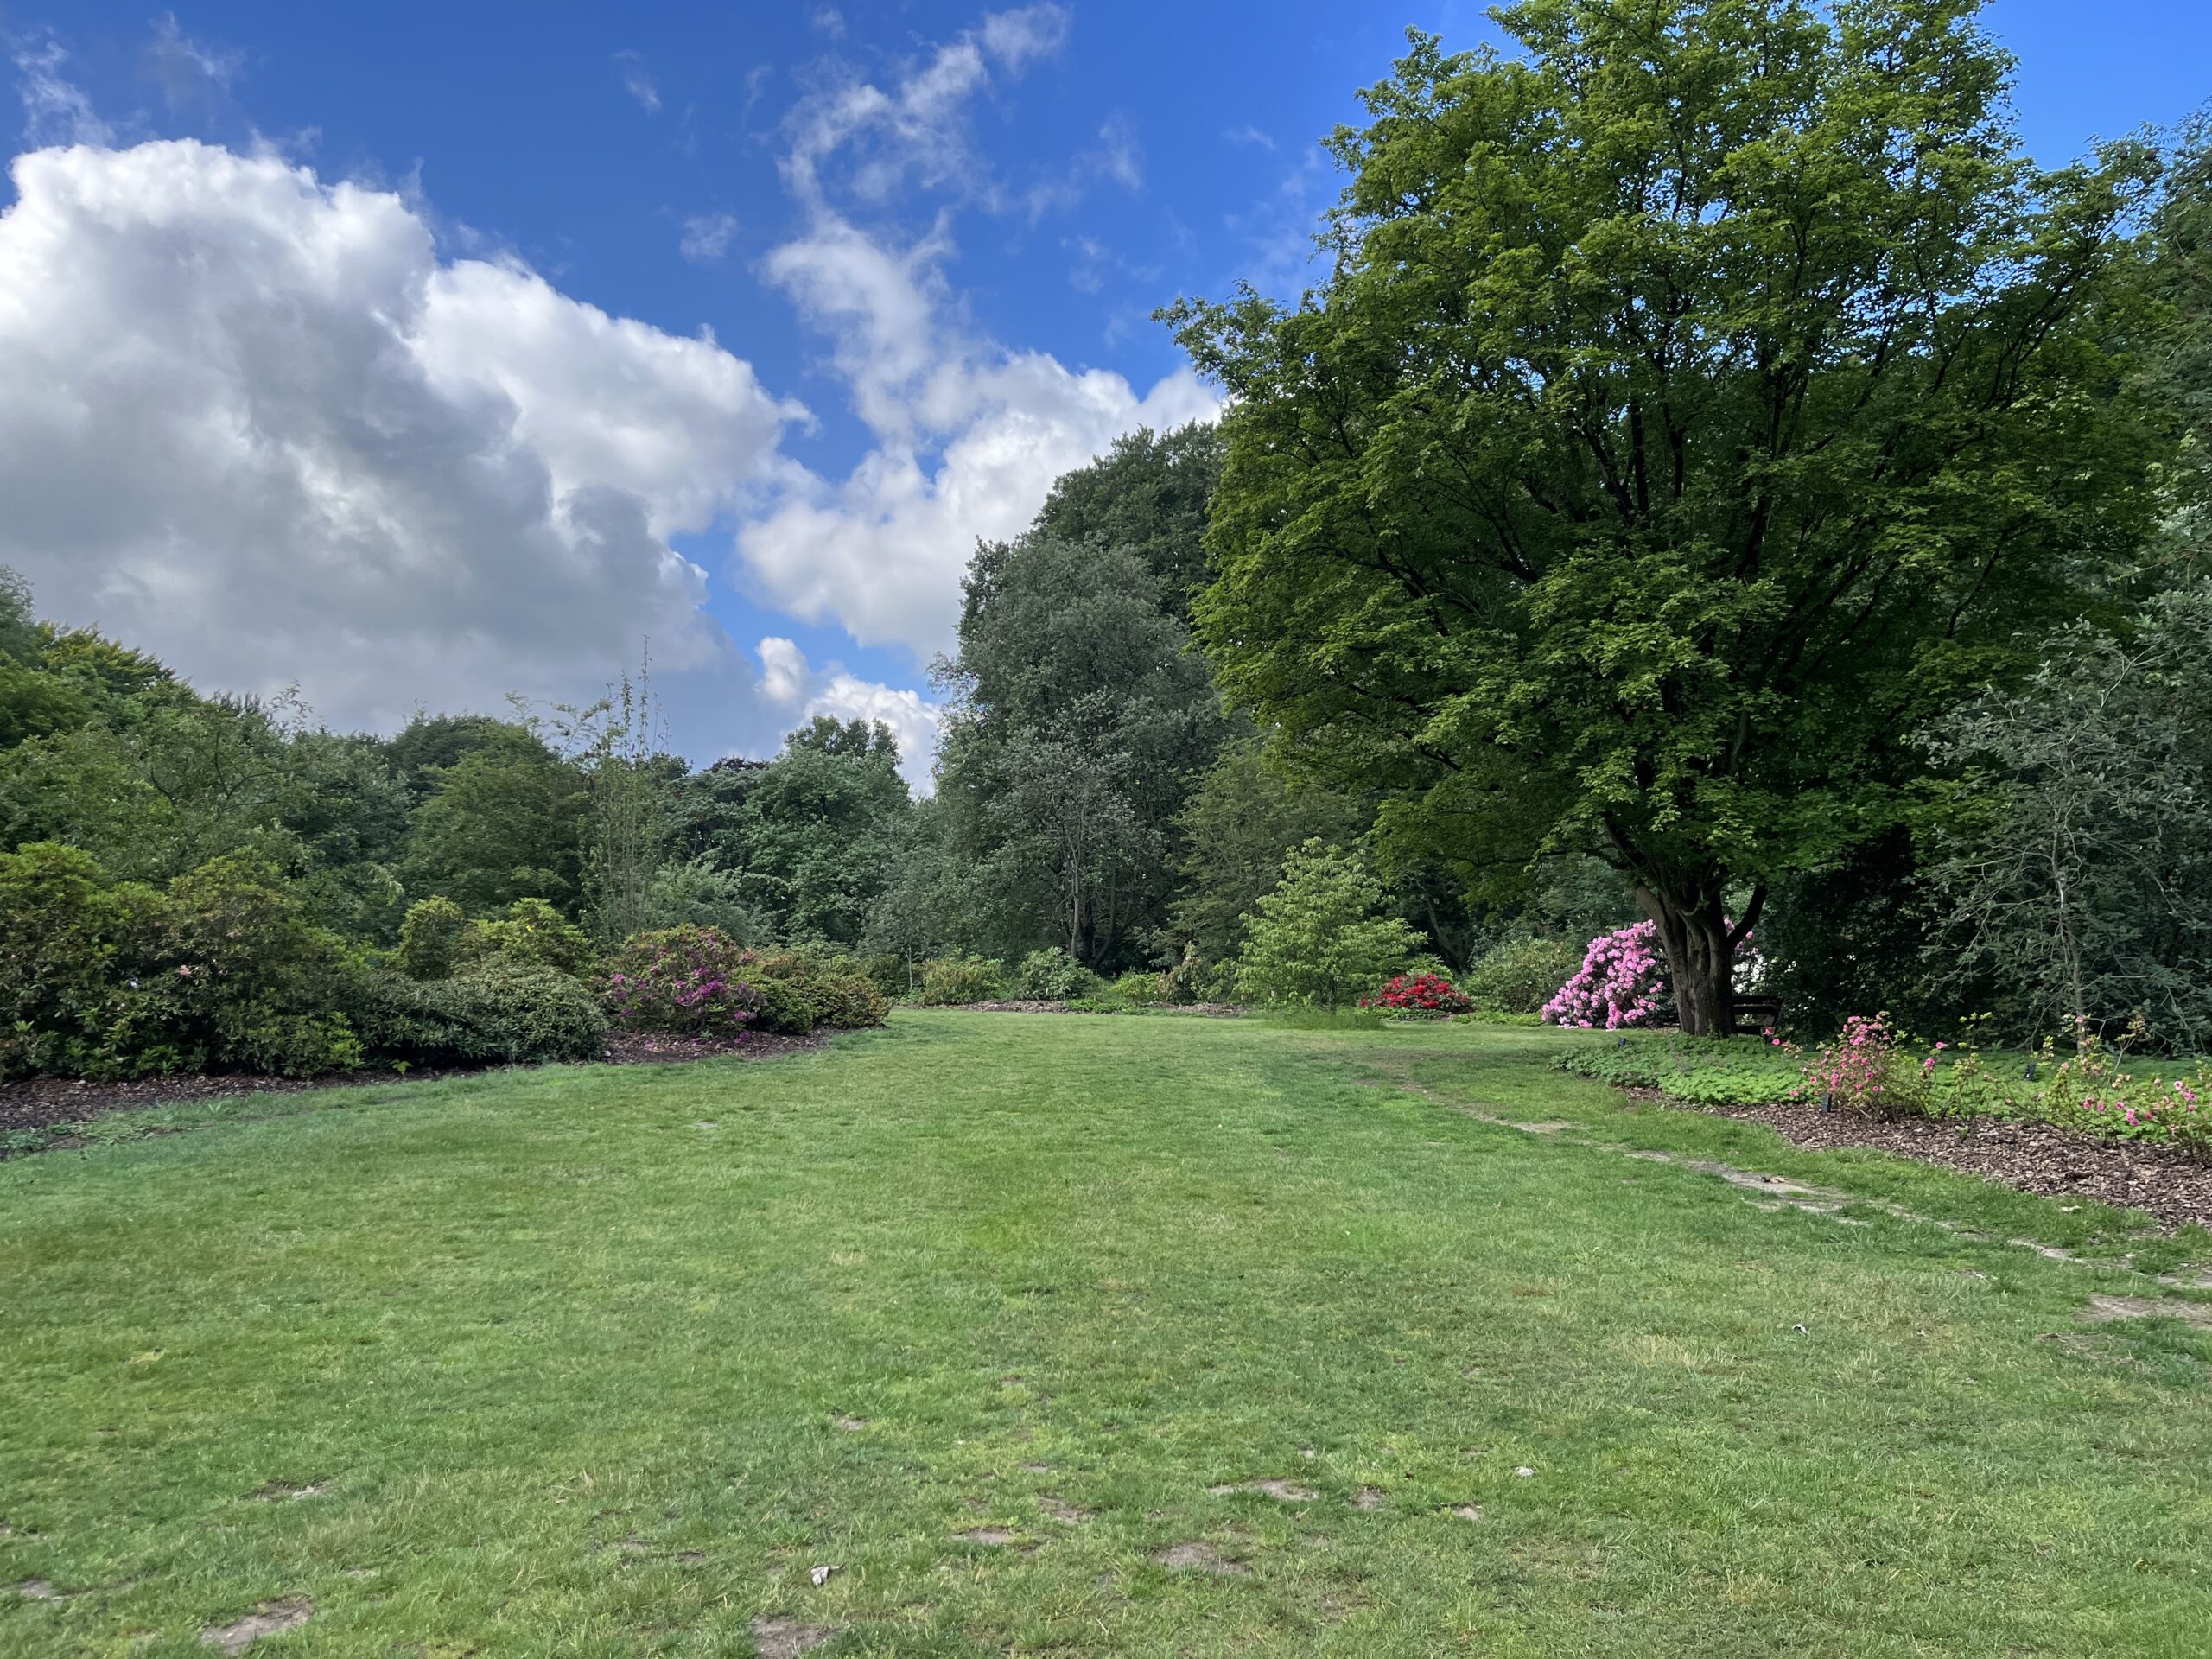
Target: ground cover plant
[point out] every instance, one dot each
(1079, 1336)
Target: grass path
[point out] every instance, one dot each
(981, 1309)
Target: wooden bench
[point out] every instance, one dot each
(1755, 1014)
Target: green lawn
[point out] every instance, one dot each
(605, 1361)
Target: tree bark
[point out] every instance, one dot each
(1700, 946)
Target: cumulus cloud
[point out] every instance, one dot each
(252, 421)
(968, 433)
(789, 683)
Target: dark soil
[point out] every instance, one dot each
(44, 1103)
(2025, 1156)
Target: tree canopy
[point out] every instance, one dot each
(1701, 402)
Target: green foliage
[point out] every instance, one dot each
(1322, 939)
(699, 892)
(2074, 866)
(531, 934)
(430, 939)
(680, 981)
(1240, 822)
(1696, 1071)
(1662, 450)
(506, 821)
(494, 1012)
(1052, 975)
(958, 978)
(70, 941)
(811, 987)
(1519, 976)
(1081, 715)
(1139, 989)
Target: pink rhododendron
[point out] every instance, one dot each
(1621, 982)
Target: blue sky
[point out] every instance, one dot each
(925, 223)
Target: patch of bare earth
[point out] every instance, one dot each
(776, 1637)
(1199, 1557)
(2104, 1310)
(270, 1618)
(2037, 1157)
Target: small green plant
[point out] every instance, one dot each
(957, 978)
(1323, 937)
(1051, 974)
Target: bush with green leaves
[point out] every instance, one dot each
(680, 981)
(430, 939)
(1519, 976)
(1324, 937)
(1141, 989)
(71, 940)
(1051, 974)
(494, 1012)
(438, 940)
(809, 986)
(957, 978)
(532, 934)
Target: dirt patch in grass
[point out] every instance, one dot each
(992, 1537)
(1199, 1557)
(786, 1639)
(2103, 1310)
(1068, 1514)
(268, 1619)
(2035, 1158)
(36, 1104)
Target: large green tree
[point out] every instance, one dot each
(1702, 399)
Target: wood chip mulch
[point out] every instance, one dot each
(44, 1103)
(2028, 1156)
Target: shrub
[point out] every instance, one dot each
(1052, 975)
(494, 1012)
(1868, 1071)
(889, 973)
(685, 981)
(430, 938)
(958, 978)
(1520, 975)
(71, 940)
(1419, 994)
(1322, 937)
(533, 934)
(1141, 989)
(808, 986)
(1621, 982)
(242, 981)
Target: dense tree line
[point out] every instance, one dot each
(1721, 480)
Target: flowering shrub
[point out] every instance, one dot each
(1621, 982)
(2093, 1091)
(1419, 994)
(688, 980)
(1869, 1071)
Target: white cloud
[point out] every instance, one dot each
(250, 421)
(1248, 134)
(971, 438)
(55, 111)
(707, 236)
(829, 21)
(788, 682)
(1119, 156)
(970, 434)
(630, 67)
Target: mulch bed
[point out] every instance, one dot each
(1212, 1010)
(2025, 1156)
(43, 1103)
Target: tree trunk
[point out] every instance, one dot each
(1700, 948)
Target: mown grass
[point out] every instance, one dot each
(563, 1357)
